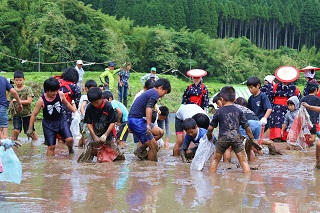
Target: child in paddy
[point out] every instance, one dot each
(229, 118)
(54, 121)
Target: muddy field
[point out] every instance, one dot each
(287, 183)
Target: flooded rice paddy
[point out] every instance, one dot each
(286, 183)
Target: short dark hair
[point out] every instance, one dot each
(202, 120)
(107, 94)
(90, 83)
(164, 110)
(149, 84)
(70, 74)
(94, 94)
(18, 74)
(312, 86)
(51, 84)
(216, 98)
(253, 81)
(241, 101)
(228, 93)
(165, 83)
(189, 123)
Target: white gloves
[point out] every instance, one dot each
(103, 138)
(263, 121)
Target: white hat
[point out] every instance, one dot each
(309, 73)
(270, 78)
(79, 62)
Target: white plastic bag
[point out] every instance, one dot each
(203, 153)
(75, 127)
(12, 169)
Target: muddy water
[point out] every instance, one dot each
(286, 183)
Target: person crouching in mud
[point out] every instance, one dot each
(100, 119)
(140, 118)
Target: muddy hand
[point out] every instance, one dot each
(30, 132)
(7, 143)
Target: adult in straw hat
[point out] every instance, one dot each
(309, 73)
(282, 91)
(197, 92)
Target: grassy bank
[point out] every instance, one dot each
(172, 100)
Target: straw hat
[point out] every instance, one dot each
(197, 73)
(287, 74)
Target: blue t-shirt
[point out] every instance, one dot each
(188, 139)
(4, 84)
(138, 108)
(259, 104)
(117, 104)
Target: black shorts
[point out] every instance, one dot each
(178, 125)
(123, 132)
(52, 128)
(19, 122)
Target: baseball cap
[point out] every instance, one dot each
(153, 69)
(111, 64)
(79, 62)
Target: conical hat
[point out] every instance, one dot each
(309, 68)
(287, 74)
(197, 73)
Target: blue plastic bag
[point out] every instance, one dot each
(11, 166)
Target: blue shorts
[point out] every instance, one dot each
(52, 128)
(138, 127)
(19, 122)
(3, 117)
(255, 127)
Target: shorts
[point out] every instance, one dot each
(3, 117)
(123, 132)
(19, 122)
(222, 146)
(138, 127)
(52, 128)
(178, 126)
(255, 127)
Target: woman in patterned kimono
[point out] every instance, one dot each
(196, 93)
(282, 91)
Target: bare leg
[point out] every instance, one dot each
(215, 162)
(34, 136)
(227, 155)
(318, 154)
(243, 162)
(50, 150)
(153, 150)
(178, 144)
(15, 134)
(3, 133)
(69, 143)
(157, 132)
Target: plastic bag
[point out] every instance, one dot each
(75, 127)
(11, 166)
(203, 153)
(299, 128)
(106, 154)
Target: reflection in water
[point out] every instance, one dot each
(286, 183)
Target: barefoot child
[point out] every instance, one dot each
(140, 118)
(21, 119)
(54, 122)
(229, 118)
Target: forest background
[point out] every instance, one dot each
(231, 40)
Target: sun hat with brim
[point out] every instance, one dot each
(197, 73)
(287, 74)
(309, 68)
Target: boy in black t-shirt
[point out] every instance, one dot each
(313, 100)
(229, 118)
(100, 119)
